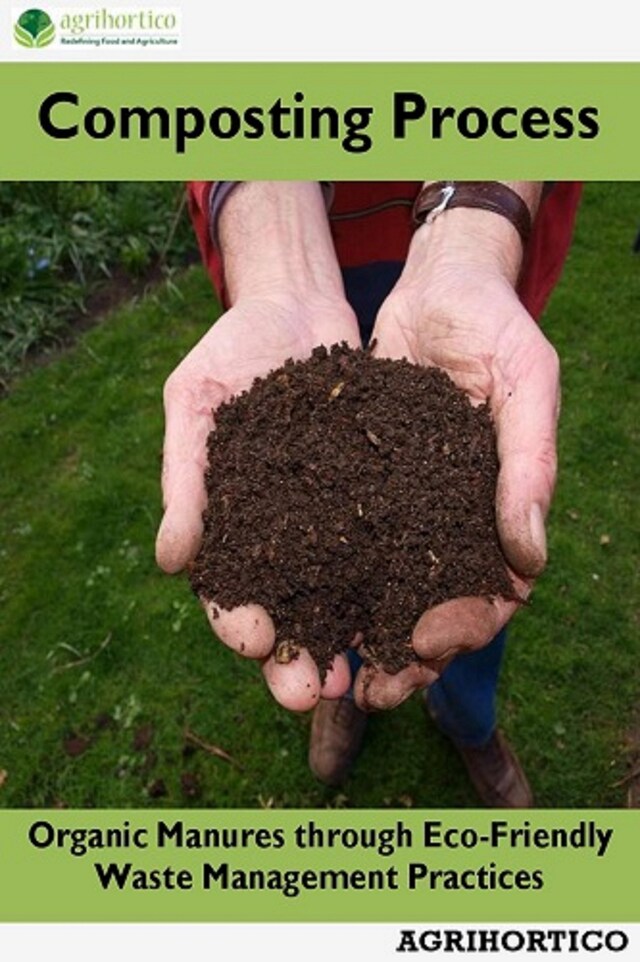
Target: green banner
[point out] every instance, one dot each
(152, 121)
(322, 866)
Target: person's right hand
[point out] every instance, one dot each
(455, 307)
(255, 336)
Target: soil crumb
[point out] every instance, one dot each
(347, 494)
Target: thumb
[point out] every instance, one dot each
(526, 431)
(183, 487)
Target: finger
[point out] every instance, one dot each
(248, 629)
(338, 678)
(295, 684)
(376, 690)
(526, 423)
(188, 421)
(462, 624)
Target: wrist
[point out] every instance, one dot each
(466, 240)
(275, 241)
(474, 225)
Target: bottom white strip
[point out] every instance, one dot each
(293, 942)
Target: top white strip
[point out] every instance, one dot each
(283, 31)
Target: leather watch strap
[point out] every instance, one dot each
(490, 195)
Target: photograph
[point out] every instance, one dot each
(319, 494)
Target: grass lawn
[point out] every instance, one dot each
(113, 691)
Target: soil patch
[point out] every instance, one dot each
(347, 494)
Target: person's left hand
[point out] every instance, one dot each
(459, 311)
(247, 342)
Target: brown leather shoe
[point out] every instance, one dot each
(497, 774)
(337, 731)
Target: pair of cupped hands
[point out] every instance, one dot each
(465, 319)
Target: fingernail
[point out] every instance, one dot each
(538, 533)
(160, 534)
(449, 653)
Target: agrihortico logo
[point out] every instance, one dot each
(100, 27)
(34, 28)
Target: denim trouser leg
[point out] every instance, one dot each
(463, 700)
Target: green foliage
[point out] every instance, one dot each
(61, 244)
(114, 694)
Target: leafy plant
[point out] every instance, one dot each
(63, 243)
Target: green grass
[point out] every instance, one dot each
(105, 663)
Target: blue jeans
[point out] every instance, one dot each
(463, 700)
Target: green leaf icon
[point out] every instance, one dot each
(22, 37)
(46, 36)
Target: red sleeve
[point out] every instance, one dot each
(549, 245)
(198, 195)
